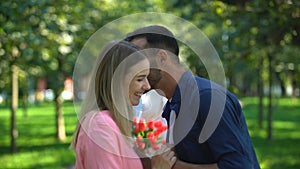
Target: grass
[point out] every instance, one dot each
(38, 148)
(284, 150)
(37, 145)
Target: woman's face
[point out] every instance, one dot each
(139, 83)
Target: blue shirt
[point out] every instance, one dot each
(229, 144)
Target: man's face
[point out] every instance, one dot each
(155, 74)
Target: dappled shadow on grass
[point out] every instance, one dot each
(39, 148)
(52, 156)
(281, 152)
(42, 147)
(4, 136)
(37, 145)
(284, 150)
(284, 162)
(35, 137)
(4, 150)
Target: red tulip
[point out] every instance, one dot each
(151, 124)
(155, 147)
(156, 133)
(158, 124)
(137, 129)
(139, 139)
(135, 121)
(164, 128)
(150, 135)
(142, 125)
(153, 140)
(141, 145)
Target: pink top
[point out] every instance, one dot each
(100, 145)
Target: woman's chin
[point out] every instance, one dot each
(134, 102)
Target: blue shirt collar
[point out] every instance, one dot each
(175, 101)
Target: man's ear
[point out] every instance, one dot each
(162, 57)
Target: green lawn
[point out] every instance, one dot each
(39, 149)
(37, 146)
(283, 152)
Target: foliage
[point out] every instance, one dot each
(244, 31)
(44, 37)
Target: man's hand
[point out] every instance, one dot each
(183, 165)
(164, 161)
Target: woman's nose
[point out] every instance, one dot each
(146, 85)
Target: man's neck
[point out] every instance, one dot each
(173, 79)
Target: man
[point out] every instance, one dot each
(193, 100)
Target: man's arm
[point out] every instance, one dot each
(183, 165)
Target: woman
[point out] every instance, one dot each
(102, 139)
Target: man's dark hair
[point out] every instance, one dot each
(157, 37)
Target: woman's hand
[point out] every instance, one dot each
(165, 160)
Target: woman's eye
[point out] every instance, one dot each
(139, 80)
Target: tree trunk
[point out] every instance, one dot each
(270, 110)
(14, 107)
(25, 97)
(282, 86)
(294, 85)
(60, 123)
(260, 94)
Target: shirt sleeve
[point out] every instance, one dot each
(230, 143)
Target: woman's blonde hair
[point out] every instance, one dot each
(106, 88)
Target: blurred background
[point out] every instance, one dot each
(257, 41)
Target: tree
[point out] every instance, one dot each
(12, 59)
(247, 35)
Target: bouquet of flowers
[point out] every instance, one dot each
(149, 136)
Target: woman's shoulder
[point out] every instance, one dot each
(102, 117)
(97, 120)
